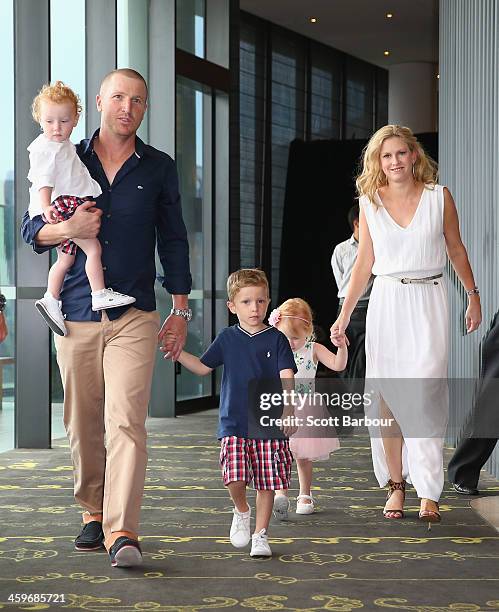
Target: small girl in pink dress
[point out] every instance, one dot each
(294, 319)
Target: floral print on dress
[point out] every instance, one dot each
(306, 368)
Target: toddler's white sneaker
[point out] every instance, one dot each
(281, 507)
(107, 298)
(260, 544)
(240, 530)
(303, 507)
(50, 309)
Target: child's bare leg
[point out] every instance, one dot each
(93, 268)
(305, 468)
(58, 271)
(237, 491)
(264, 503)
(281, 493)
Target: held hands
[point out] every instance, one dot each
(172, 336)
(473, 316)
(337, 330)
(288, 430)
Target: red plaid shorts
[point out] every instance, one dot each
(64, 207)
(265, 462)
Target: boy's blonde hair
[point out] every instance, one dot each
(246, 277)
(372, 176)
(57, 93)
(297, 315)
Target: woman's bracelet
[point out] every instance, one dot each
(473, 291)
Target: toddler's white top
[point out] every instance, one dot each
(57, 165)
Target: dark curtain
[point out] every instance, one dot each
(320, 189)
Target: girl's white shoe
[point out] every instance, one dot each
(303, 507)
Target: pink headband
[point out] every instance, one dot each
(275, 317)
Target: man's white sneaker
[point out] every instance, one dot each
(50, 309)
(281, 507)
(260, 545)
(240, 530)
(107, 298)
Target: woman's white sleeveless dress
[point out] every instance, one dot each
(407, 339)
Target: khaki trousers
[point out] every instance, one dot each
(106, 371)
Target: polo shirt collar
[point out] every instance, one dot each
(252, 335)
(352, 240)
(140, 148)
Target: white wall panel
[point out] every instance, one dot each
(469, 157)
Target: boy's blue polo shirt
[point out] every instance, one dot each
(246, 357)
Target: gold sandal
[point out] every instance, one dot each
(430, 516)
(394, 486)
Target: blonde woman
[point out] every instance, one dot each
(407, 222)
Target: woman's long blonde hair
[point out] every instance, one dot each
(372, 176)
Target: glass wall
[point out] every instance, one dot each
(190, 20)
(7, 225)
(132, 42)
(325, 94)
(67, 64)
(292, 87)
(193, 134)
(252, 140)
(288, 123)
(360, 106)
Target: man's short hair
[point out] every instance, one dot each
(246, 277)
(128, 72)
(353, 215)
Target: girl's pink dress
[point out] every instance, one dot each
(309, 442)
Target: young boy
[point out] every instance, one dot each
(249, 351)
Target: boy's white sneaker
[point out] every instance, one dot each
(260, 544)
(281, 507)
(107, 298)
(50, 309)
(240, 530)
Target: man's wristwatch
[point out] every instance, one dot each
(473, 291)
(185, 313)
(3, 301)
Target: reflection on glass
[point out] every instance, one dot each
(287, 124)
(192, 103)
(132, 36)
(67, 64)
(7, 376)
(359, 99)
(190, 26)
(7, 215)
(7, 226)
(67, 51)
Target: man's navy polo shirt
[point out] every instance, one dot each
(246, 357)
(140, 208)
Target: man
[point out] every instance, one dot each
(342, 261)
(482, 431)
(106, 360)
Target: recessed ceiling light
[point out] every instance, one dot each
(313, 19)
(389, 15)
(386, 52)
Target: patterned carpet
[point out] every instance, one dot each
(345, 557)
